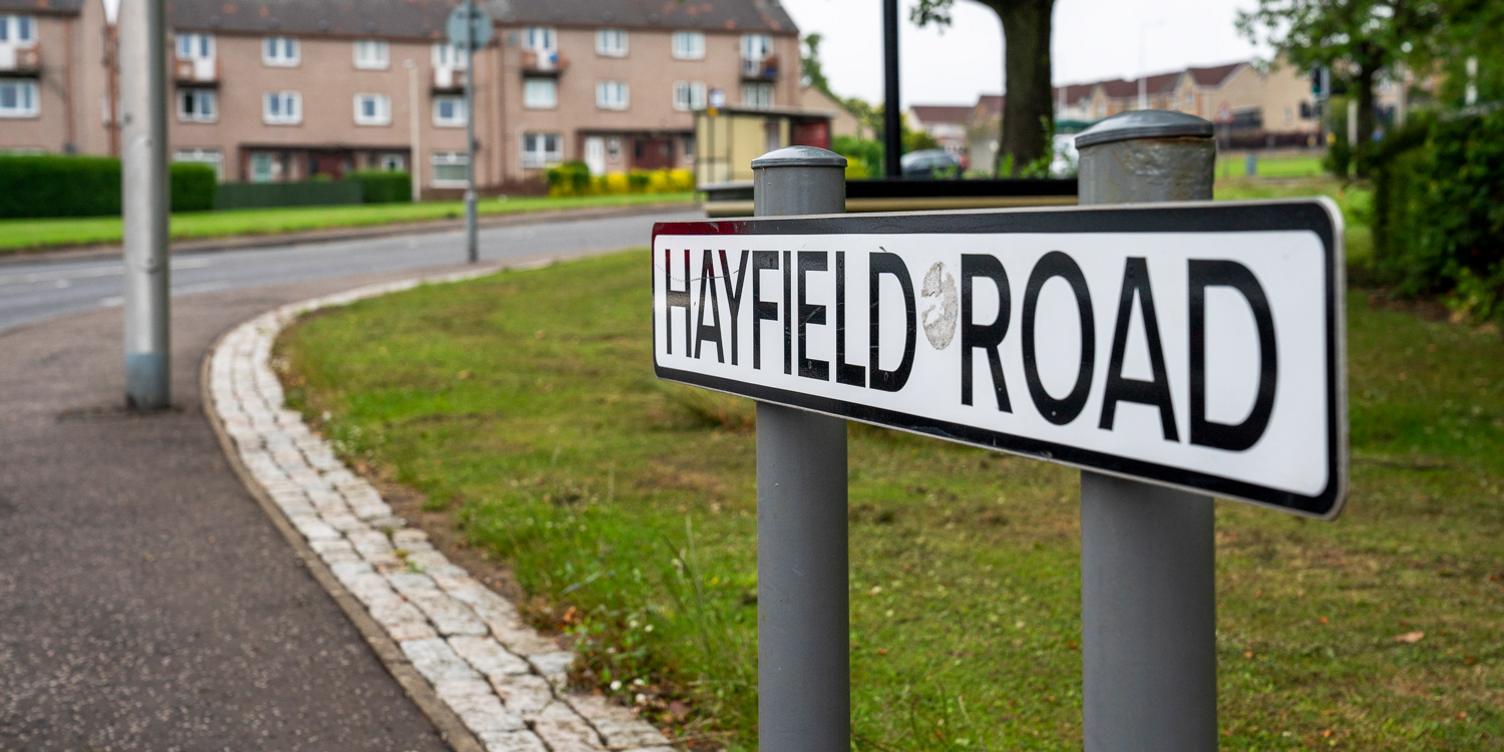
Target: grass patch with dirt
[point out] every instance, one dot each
(524, 406)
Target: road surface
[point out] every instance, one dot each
(32, 291)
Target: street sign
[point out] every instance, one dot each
(1197, 346)
(480, 24)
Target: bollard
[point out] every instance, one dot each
(803, 647)
(144, 203)
(1148, 592)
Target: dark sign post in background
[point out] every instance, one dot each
(1171, 352)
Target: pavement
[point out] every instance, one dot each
(146, 601)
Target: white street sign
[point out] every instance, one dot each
(1194, 345)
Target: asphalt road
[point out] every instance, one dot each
(31, 291)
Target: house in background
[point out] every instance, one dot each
(53, 91)
(947, 124)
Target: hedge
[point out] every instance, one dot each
(383, 186)
(307, 193)
(574, 179)
(1439, 210)
(50, 185)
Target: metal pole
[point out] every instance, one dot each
(472, 239)
(803, 648)
(892, 125)
(143, 193)
(415, 166)
(1148, 592)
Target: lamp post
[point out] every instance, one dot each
(414, 123)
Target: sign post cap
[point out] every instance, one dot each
(799, 156)
(1144, 124)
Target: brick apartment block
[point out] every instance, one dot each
(276, 90)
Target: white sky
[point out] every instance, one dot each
(1093, 39)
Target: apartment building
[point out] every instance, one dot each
(273, 90)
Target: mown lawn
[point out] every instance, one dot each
(38, 234)
(1271, 165)
(524, 404)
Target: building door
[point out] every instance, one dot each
(595, 154)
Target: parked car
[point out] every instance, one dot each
(931, 163)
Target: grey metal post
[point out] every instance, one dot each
(143, 73)
(803, 668)
(472, 238)
(1148, 593)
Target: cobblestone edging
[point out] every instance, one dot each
(505, 681)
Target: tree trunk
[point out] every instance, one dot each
(1364, 86)
(1028, 114)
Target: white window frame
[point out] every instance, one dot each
(612, 42)
(749, 48)
(540, 39)
(532, 85)
(688, 45)
(458, 121)
(378, 54)
(448, 159)
(756, 102)
(11, 25)
(201, 94)
(281, 52)
(540, 155)
(27, 96)
(383, 109)
(613, 95)
(195, 45)
(212, 157)
(446, 55)
(288, 101)
(689, 95)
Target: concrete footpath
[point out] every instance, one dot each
(146, 601)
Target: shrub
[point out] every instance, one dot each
(1439, 211)
(569, 179)
(637, 180)
(615, 182)
(681, 180)
(193, 186)
(383, 186)
(858, 150)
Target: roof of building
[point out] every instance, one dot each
(425, 19)
(1074, 92)
(989, 105)
(61, 7)
(1213, 75)
(958, 114)
(703, 15)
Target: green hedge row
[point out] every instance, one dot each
(47, 185)
(574, 179)
(383, 186)
(1439, 210)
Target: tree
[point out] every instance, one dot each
(809, 62)
(1356, 39)
(1028, 109)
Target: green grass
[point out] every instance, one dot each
(1271, 165)
(1355, 200)
(37, 234)
(525, 406)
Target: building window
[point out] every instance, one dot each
(758, 96)
(689, 95)
(18, 30)
(282, 108)
(541, 149)
(611, 95)
(611, 42)
(198, 106)
(451, 168)
(211, 157)
(449, 111)
(540, 93)
(540, 39)
(372, 54)
(281, 52)
(756, 46)
(689, 45)
(373, 109)
(18, 98)
(448, 56)
(265, 167)
(195, 46)
(393, 161)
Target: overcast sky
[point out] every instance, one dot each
(1093, 39)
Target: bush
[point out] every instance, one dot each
(383, 186)
(51, 185)
(193, 186)
(637, 181)
(574, 179)
(267, 195)
(1439, 211)
(569, 179)
(867, 153)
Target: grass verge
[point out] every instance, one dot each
(524, 406)
(39, 234)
